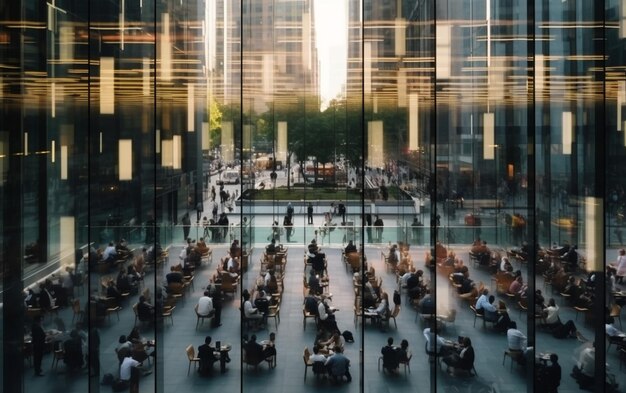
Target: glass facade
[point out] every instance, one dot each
(154, 153)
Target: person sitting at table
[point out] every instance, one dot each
(391, 360)
(571, 258)
(113, 292)
(550, 375)
(482, 303)
(382, 310)
(463, 357)
(326, 345)
(318, 360)
(123, 282)
(269, 347)
(271, 248)
(262, 303)
(539, 300)
(207, 355)
(310, 303)
(516, 285)
(145, 310)
(73, 348)
(250, 312)
(109, 255)
(317, 262)
(505, 265)
(253, 351)
(338, 365)
(124, 347)
(350, 248)
(128, 363)
(435, 344)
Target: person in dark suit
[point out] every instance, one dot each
(464, 358)
(207, 356)
(391, 360)
(73, 352)
(254, 351)
(39, 342)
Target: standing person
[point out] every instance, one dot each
(342, 211)
(199, 210)
(39, 342)
(379, 229)
(368, 228)
(309, 213)
(289, 211)
(288, 225)
(216, 296)
(186, 221)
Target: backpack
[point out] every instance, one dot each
(347, 335)
(108, 379)
(396, 298)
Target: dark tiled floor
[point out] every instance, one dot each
(291, 340)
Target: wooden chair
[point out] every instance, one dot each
(112, 307)
(168, 313)
(229, 283)
(274, 312)
(515, 356)
(306, 315)
(393, 315)
(407, 363)
(191, 356)
(579, 310)
(306, 356)
(58, 355)
(477, 315)
(616, 312)
(449, 317)
(200, 318)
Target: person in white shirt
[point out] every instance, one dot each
(620, 266)
(517, 341)
(109, 253)
(442, 348)
(205, 304)
(482, 304)
(585, 369)
(551, 313)
(249, 310)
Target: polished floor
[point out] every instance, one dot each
(291, 340)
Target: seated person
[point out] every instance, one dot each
(318, 360)
(382, 310)
(269, 347)
(584, 370)
(338, 365)
(73, 352)
(253, 351)
(614, 334)
(201, 246)
(109, 254)
(549, 376)
(249, 311)
(435, 344)
(113, 292)
(145, 310)
(174, 276)
(426, 304)
(336, 340)
(313, 247)
(516, 340)
(310, 304)
(391, 360)
(350, 248)
(128, 363)
(403, 351)
(205, 304)
(463, 357)
(503, 322)
(326, 316)
(394, 255)
(317, 263)
(314, 283)
(123, 282)
(207, 355)
(271, 248)
(235, 249)
(262, 303)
